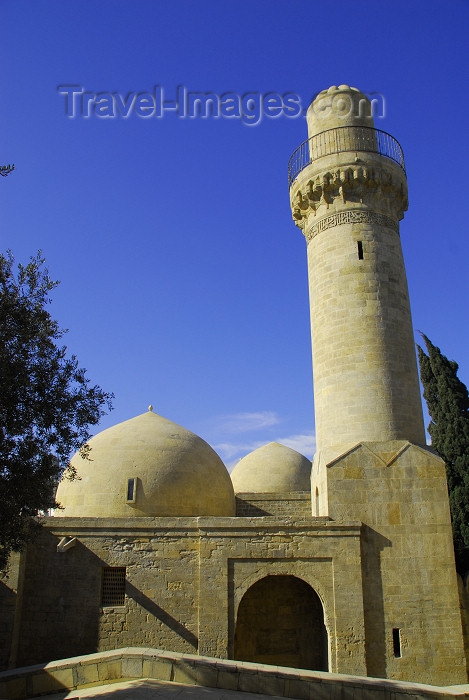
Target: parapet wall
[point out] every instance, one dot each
(134, 663)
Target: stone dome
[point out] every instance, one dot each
(147, 466)
(272, 468)
(337, 107)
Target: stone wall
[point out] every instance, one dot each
(464, 605)
(323, 554)
(62, 613)
(409, 578)
(295, 505)
(8, 600)
(185, 578)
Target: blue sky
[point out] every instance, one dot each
(183, 277)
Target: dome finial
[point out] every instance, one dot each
(150, 408)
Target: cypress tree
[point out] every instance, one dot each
(448, 405)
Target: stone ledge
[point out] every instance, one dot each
(190, 527)
(281, 496)
(133, 663)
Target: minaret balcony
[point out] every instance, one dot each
(343, 139)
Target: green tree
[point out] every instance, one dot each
(46, 402)
(448, 405)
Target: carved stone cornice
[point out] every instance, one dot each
(374, 187)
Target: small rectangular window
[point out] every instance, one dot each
(131, 490)
(360, 250)
(396, 642)
(113, 586)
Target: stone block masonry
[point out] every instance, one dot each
(185, 578)
(294, 505)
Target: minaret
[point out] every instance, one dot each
(348, 192)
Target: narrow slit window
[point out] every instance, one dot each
(113, 586)
(131, 490)
(396, 642)
(360, 249)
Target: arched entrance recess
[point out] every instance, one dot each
(281, 622)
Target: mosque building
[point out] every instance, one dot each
(344, 564)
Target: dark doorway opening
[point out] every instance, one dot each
(281, 622)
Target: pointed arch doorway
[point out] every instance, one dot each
(280, 621)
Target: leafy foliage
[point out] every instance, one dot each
(448, 405)
(46, 402)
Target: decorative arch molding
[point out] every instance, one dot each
(280, 568)
(280, 620)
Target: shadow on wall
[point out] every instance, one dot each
(154, 609)
(464, 605)
(61, 612)
(372, 544)
(249, 510)
(7, 619)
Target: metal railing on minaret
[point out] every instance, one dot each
(344, 139)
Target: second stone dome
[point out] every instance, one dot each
(273, 468)
(147, 466)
